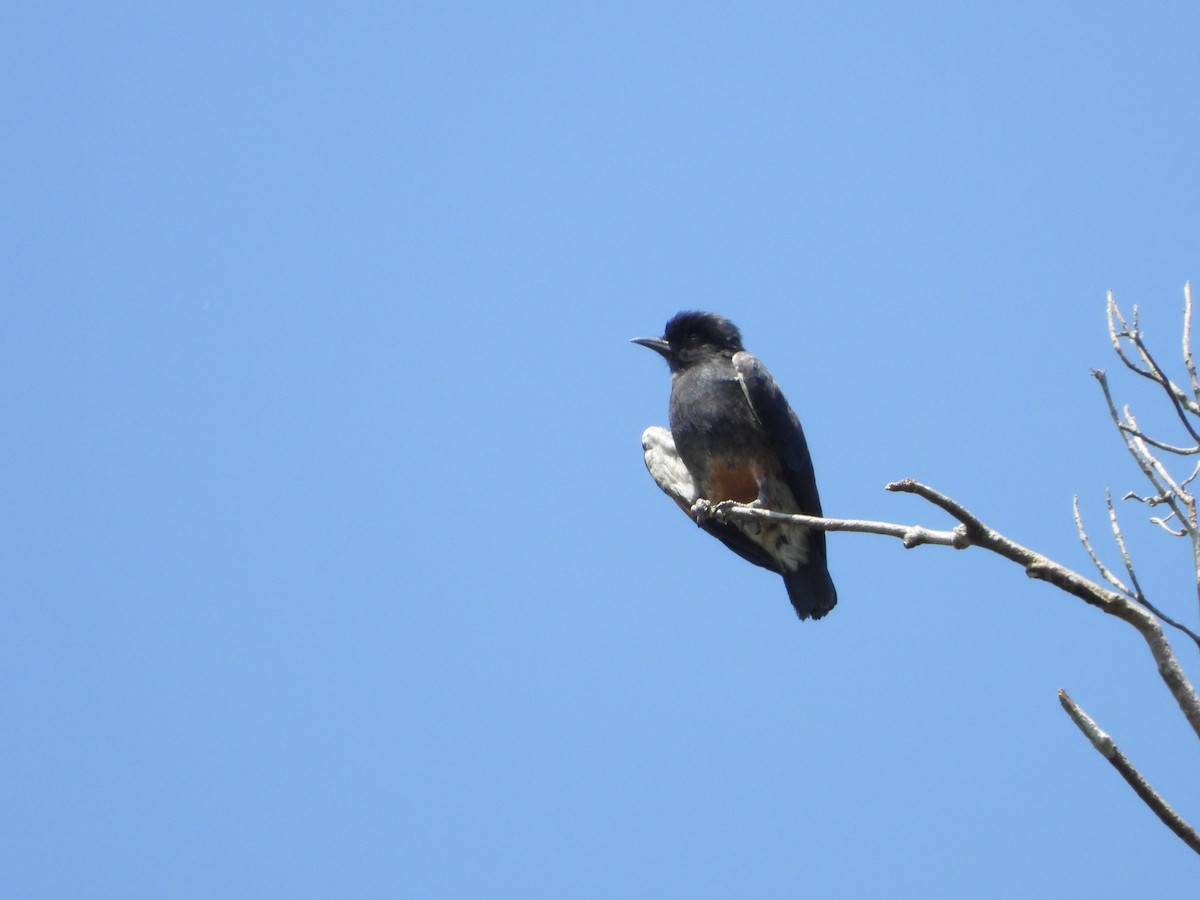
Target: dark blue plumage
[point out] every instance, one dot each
(734, 437)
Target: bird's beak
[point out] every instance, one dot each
(658, 345)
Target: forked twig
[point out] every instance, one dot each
(1152, 371)
(1104, 571)
(1135, 592)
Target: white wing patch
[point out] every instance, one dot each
(667, 469)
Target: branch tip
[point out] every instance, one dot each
(1107, 747)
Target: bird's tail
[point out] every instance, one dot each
(811, 591)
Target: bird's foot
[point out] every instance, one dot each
(720, 511)
(703, 510)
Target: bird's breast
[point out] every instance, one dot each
(717, 434)
(727, 481)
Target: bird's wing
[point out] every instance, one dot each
(666, 468)
(670, 474)
(781, 423)
(810, 588)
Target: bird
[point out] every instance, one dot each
(734, 437)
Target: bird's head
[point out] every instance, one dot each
(694, 336)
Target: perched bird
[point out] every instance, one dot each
(734, 437)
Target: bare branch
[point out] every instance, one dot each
(1115, 604)
(910, 535)
(1109, 750)
(1174, 624)
(915, 535)
(956, 509)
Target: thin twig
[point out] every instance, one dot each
(1162, 523)
(1100, 566)
(1136, 449)
(1153, 372)
(1137, 592)
(1164, 476)
(1187, 341)
(1190, 478)
(1115, 337)
(1120, 539)
(1177, 625)
(1161, 445)
(1109, 750)
(1173, 391)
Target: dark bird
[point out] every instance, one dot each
(734, 437)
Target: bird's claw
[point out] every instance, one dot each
(703, 510)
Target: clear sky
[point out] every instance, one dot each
(330, 564)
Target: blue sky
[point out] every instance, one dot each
(330, 564)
